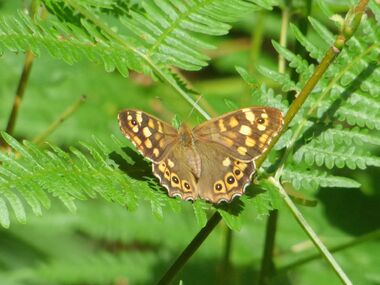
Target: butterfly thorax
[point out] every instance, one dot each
(191, 156)
(186, 136)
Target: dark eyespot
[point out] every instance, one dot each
(167, 173)
(230, 179)
(187, 186)
(260, 120)
(133, 122)
(218, 187)
(175, 179)
(237, 162)
(237, 172)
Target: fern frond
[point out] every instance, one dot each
(341, 135)
(303, 179)
(38, 174)
(170, 30)
(66, 42)
(331, 155)
(166, 33)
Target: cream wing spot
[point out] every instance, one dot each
(242, 150)
(261, 127)
(156, 152)
(245, 130)
(148, 143)
(137, 140)
(263, 138)
(233, 122)
(250, 116)
(151, 124)
(147, 133)
(159, 127)
(129, 117)
(221, 125)
(135, 129)
(139, 117)
(250, 142)
(226, 162)
(170, 163)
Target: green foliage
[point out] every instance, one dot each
(162, 33)
(336, 126)
(67, 176)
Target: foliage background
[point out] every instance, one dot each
(103, 243)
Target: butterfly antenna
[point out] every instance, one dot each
(193, 108)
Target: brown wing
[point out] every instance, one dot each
(245, 134)
(176, 175)
(223, 177)
(152, 137)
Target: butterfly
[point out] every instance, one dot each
(214, 161)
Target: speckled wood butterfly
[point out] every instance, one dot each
(214, 161)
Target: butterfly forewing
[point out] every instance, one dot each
(152, 137)
(245, 134)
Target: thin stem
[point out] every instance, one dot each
(267, 264)
(29, 57)
(225, 275)
(56, 123)
(22, 83)
(283, 38)
(256, 42)
(312, 235)
(190, 249)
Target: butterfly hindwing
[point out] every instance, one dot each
(225, 177)
(245, 133)
(152, 137)
(176, 176)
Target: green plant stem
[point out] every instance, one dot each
(283, 38)
(267, 264)
(225, 273)
(256, 42)
(157, 69)
(28, 62)
(23, 82)
(190, 249)
(364, 238)
(309, 231)
(54, 125)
